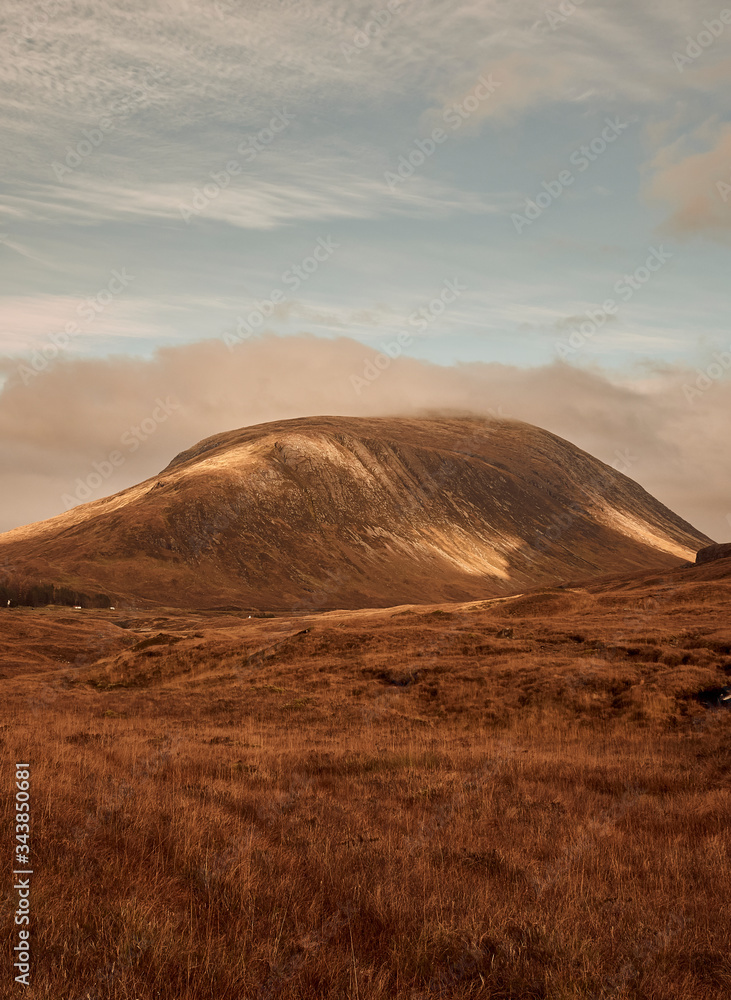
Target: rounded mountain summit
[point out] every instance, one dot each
(345, 512)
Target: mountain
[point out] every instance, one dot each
(324, 512)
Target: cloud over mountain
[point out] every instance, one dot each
(53, 430)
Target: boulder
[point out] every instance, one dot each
(712, 552)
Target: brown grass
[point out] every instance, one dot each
(442, 803)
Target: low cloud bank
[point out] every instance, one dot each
(87, 428)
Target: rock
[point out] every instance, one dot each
(712, 552)
(715, 697)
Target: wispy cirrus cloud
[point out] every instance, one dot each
(65, 62)
(27, 322)
(333, 191)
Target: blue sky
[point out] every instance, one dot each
(167, 163)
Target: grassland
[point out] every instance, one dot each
(517, 799)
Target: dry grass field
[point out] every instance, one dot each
(514, 799)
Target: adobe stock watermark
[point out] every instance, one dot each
(88, 310)
(379, 21)
(22, 867)
(293, 278)
(455, 116)
(218, 9)
(652, 944)
(554, 19)
(712, 29)
(42, 16)
(724, 189)
(625, 287)
(561, 522)
(93, 138)
(131, 440)
(581, 158)
(420, 319)
(707, 376)
(222, 9)
(249, 148)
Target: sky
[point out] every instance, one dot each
(494, 204)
